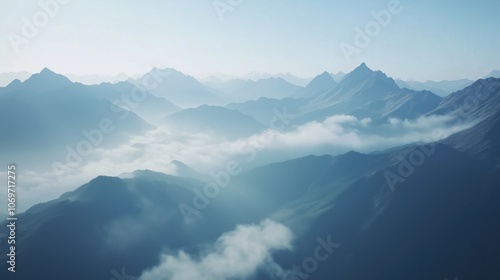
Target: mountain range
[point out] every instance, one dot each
(215, 121)
(244, 90)
(428, 223)
(178, 88)
(7, 78)
(365, 93)
(219, 78)
(60, 114)
(441, 88)
(415, 211)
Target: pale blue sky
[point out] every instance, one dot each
(428, 40)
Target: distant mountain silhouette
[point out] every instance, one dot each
(44, 81)
(266, 109)
(51, 112)
(320, 84)
(338, 77)
(289, 77)
(175, 168)
(214, 120)
(148, 106)
(99, 79)
(180, 89)
(244, 90)
(7, 78)
(493, 74)
(441, 88)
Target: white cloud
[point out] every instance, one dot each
(157, 148)
(235, 255)
(348, 132)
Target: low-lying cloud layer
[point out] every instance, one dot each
(157, 148)
(349, 132)
(237, 254)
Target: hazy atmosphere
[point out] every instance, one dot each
(249, 140)
(425, 40)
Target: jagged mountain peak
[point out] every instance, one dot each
(363, 75)
(325, 76)
(364, 71)
(47, 80)
(321, 83)
(47, 71)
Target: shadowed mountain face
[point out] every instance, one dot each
(481, 140)
(473, 103)
(105, 221)
(429, 225)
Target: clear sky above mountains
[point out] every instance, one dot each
(433, 40)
